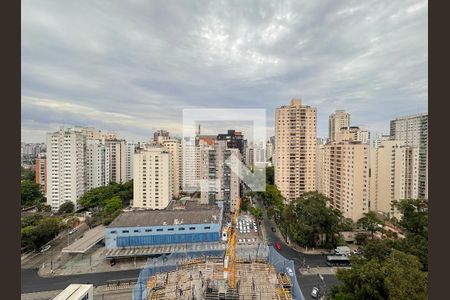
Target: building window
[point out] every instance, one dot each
(113, 232)
(207, 227)
(170, 229)
(159, 229)
(191, 228)
(148, 230)
(125, 231)
(136, 230)
(181, 228)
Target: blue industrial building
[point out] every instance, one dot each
(191, 224)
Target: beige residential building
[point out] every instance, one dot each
(152, 178)
(345, 178)
(352, 133)
(173, 146)
(336, 121)
(394, 175)
(319, 167)
(295, 149)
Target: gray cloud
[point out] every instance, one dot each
(133, 66)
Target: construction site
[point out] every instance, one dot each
(222, 274)
(207, 279)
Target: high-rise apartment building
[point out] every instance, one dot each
(353, 133)
(295, 149)
(173, 146)
(65, 167)
(413, 130)
(235, 140)
(345, 177)
(319, 166)
(41, 173)
(160, 135)
(118, 160)
(394, 175)
(218, 181)
(269, 150)
(97, 158)
(131, 148)
(91, 133)
(152, 183)
(336, 121)
(250, 156)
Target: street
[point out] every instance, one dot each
(32, 282)
(306, 282)
(35, 260)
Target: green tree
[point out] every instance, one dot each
(29, 192)
(414, 215)
(111, 209)
(361, 238)
(270, 175)
(66, 208)
(27, 174)
(365, 280)
(403, 277)
(311, 222)
(257, 213)
(370, 222)
(41, 232)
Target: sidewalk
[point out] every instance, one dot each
(296, 247)
(320, 270)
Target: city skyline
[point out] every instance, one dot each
(133, 70)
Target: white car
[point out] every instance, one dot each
(289, 271)
(315, 292)
(44, 249)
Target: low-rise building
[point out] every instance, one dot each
(192, 223)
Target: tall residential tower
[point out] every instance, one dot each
(295, 149)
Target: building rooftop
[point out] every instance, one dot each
(73, 291)
(174, 215)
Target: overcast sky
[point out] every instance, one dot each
(132, 66)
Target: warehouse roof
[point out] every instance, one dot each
(203, 214)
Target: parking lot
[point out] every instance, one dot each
(248, 230)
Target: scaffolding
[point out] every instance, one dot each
(201, 276)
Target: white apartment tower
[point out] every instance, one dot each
(295, 149)
(97, 164)
(345, 177)
(413, 130)
(152, 183)
(131, 148)
(65, 167)
(118, 160)
(336, 121)
(394, 175)
(173, 146)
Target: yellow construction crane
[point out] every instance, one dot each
(229, 262)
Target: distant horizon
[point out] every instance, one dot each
(150, 136)
(133, 67)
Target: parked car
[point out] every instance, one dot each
(113, 262)
(315, 292)
(278, 246)
(45, 248)
(289, 271)
(73, 231)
